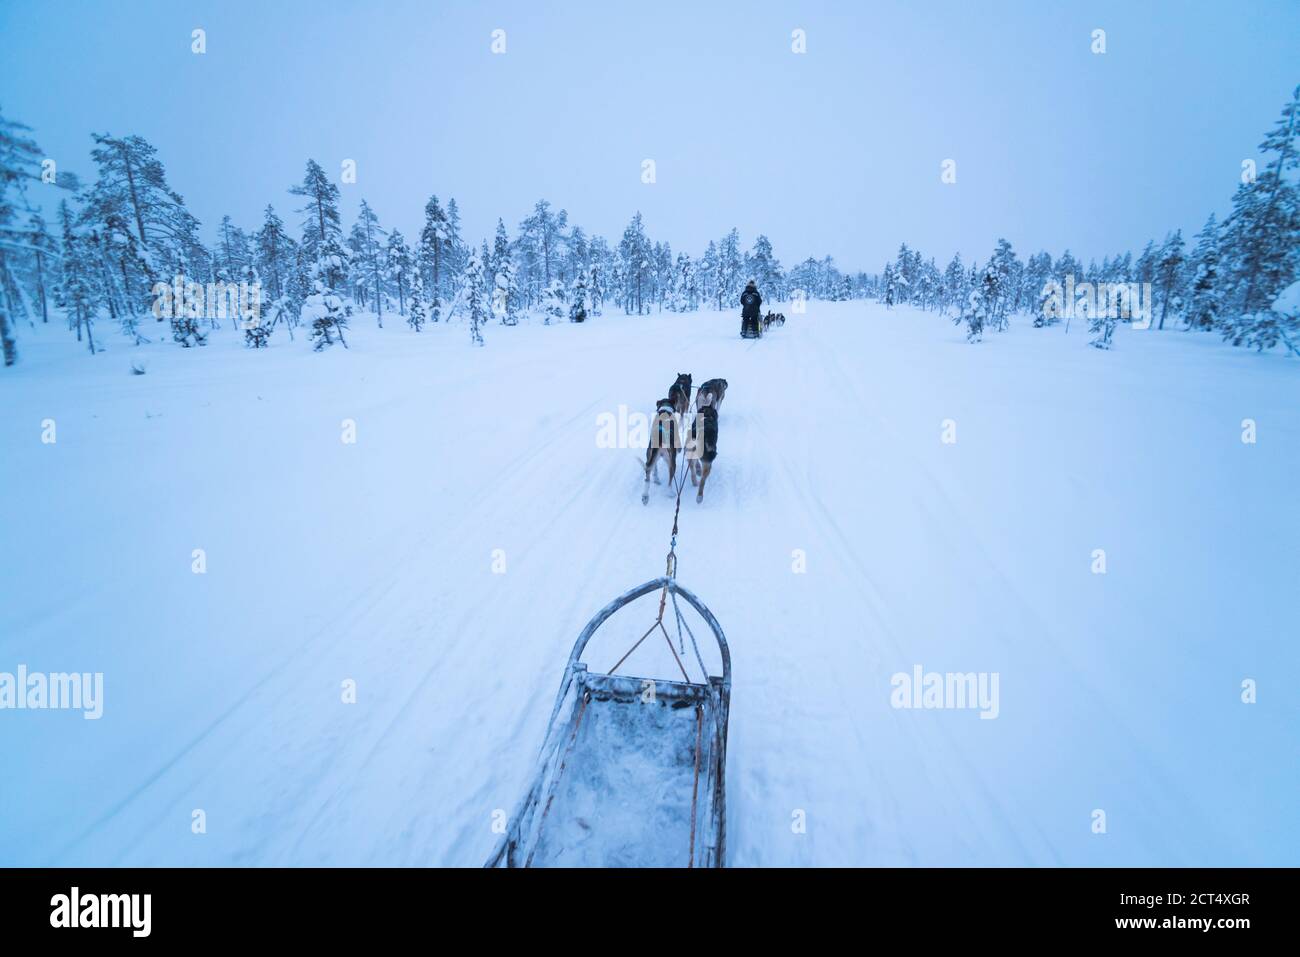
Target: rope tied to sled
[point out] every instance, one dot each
(670, 563)
(670, 574)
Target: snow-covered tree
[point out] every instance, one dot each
(78, 282)
(505, 286)
(1260, 239)
(471, 294)
(1101, 322)
(1170, 274)
(399, 268)
(979, 309)
(730, 265)
(766, 269)
(540, 242)
(20, 242)
(1001, 286)
(234, 253)
(634, 252)
(954, 285)
(1037, 274)
(274, 251)
(578, 299)
(321, 221)
(415, 314)
(1204, 308)
(889, 287)
(326, 310)
(435, 259)
(553, 302)
(369, 260)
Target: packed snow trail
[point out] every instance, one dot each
(446, 561)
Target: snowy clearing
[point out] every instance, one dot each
(373, 561)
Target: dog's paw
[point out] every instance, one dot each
(699, 497)
(645, 498)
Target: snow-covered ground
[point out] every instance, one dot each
(374, 561)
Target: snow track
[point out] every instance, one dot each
(374, 563)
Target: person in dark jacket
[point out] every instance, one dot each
(750, 301)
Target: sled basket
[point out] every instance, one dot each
(631, 773)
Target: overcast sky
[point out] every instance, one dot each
(835, 151)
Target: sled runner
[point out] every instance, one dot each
(631, 773)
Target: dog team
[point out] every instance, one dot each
(700, 443)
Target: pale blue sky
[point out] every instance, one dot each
(835, 151)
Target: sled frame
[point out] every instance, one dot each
(709, 702)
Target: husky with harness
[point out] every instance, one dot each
(666, 431)
(702, 447)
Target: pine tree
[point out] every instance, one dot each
(321, 221)
(78, 281)
(978, 307)
(42, 247)
(325, 309)
(706, 271)
(596, 287)
(578, 259)
(233, 252)
(1170, 273)
(1203, 310)
(134, 210)
(1002, 284)
(505, 291)
(541, 233)
(371, 261)
(274, 252)
(257, 334)
(472, 295)
(553, 302)
(399, 268)
(578, 299)
(729, 268)
(415, 316)
(688, 292)
(634, 252)
(1261, 240)
(19, 164)
(457, 251)
(1037, 275)
(954, 285)
(434, 255)
(766, 270)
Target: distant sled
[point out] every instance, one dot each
(631, 773)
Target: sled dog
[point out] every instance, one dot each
(702, 447)
(711, 393)
(663, 442)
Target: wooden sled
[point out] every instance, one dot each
(632, 770)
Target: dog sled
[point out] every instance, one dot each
(632, 770)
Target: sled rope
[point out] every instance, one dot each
(670, 565)
(670, 572)
(682, 623)
(695, 787)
